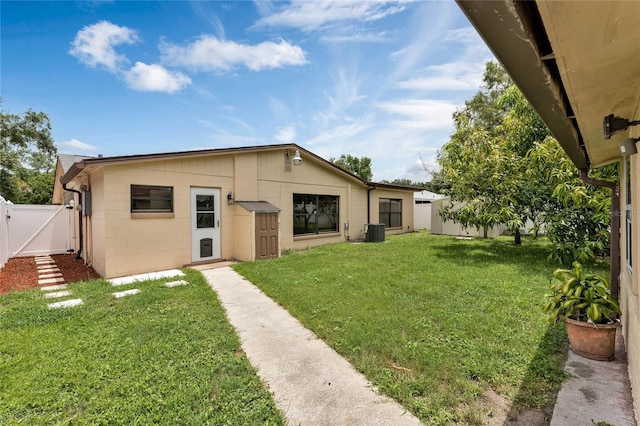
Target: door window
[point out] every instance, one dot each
(205, 211)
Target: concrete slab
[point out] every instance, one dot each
(120, 294)
(50, 281)
(598, 392)
(48, 269)
(65, 304)
(312, 384)
(146, 277)
(213, 265)
(56, 294)
(42, 258)
(54, 287)
(172, 284)
(50, 275)
(45, 262)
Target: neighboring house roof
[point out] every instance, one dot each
(427, 195)
(576, 63)
(68, 160)
(258, 206)
(78, 166)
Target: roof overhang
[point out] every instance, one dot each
(89, 164)
(575, 61)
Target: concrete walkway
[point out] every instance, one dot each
(311, 383)
(598, 391)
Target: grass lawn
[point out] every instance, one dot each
(164, 356)
(433, 321)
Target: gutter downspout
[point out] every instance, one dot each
(369, 203)
(79, 254)
(614, 254)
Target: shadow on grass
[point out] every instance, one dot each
(543, 379)
(496, 251)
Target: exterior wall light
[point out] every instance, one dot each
(297, 160)
(230, 198)
(612, 125)
(628, 147)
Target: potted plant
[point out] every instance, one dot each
(590, 313)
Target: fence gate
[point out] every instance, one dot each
(36, 230)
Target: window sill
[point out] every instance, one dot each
(314, 236)
(395, 228)
(153, 215)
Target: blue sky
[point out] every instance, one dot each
(376, 79)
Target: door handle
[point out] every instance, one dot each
(218, 223)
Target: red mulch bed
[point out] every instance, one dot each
(21, 273)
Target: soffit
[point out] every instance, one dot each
(596, 45)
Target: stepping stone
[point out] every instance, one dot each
(50, 266)
(46, 263)
(120, 294)
(172, 284)
(54, 287)
(42, 256)
(56, 294)
(65, 304)
(48, 270)
(50, 275)
(146, 277)
(51, 280)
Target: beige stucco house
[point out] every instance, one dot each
(143, 213)
(578, 63)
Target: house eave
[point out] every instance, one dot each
(78, 167)
(514, 33)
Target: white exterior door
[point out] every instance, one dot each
(205, 224)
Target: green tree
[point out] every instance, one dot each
(360, 167)
(483, 163)
(27, 154)
(504, 165)
(576, 216)
(406, 182)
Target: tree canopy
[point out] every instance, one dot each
(360, 167)
(504, 166)
(28, 156)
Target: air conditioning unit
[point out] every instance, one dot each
(375, 232)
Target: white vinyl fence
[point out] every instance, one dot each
(4, 231)
(37, 230)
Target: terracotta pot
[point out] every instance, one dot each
(592, 341)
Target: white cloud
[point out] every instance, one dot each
(311, 15)
(346, 93)
(155, 78)
(425, 38)
(93, 45)
(336, 137)
(464, 35)
(358, 37)
(286, 135)
(421, 113)
(208, 53)
(79, 145)
(451, 76)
